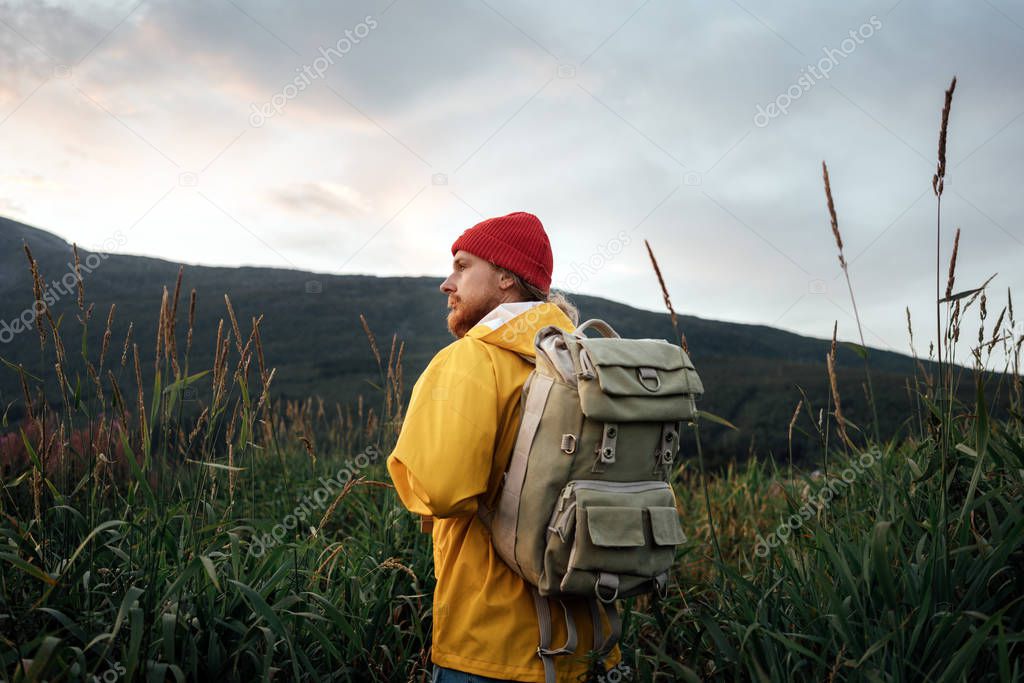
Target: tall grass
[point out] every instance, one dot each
(904, 561)
(138, 524)
(132, 531)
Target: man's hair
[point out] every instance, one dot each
(530, 292)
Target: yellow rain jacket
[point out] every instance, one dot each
(455, 443)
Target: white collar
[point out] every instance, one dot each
(502, 313)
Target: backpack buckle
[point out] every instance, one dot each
(568, 443)
(661, 585)
(587, 369)
(645, 374)
(608, 580)
(604, 452)
(607, 447)
(664, 454)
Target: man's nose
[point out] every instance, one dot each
(447, 288)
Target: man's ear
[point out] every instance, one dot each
(506, 281)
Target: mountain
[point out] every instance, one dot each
(312, 334)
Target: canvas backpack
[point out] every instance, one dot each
(585, 509)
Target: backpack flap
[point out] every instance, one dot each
(629, 380)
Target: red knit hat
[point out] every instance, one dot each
(516, 241)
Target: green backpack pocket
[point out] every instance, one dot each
(627, 529)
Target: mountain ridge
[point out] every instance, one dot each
(312, 332)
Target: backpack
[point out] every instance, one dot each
(585, 508)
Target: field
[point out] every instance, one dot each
(261, 540)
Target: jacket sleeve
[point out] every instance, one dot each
(444, 453)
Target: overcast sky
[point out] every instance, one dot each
(365, 137)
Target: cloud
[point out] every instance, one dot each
(322, 197)
(9, 207)
(651, 130)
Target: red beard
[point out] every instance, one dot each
(465, 315)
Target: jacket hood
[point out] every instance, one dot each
(517, 333)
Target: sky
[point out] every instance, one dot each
(365, 137)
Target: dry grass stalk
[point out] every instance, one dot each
(232, 425)
(141, 407)
(668, 301)
(37, 493)
(397, 382)
(995, 330)
(37, 293)
(982, 315)
(232, 474)
(834, 384)
(266, 391)
(118, 399)
(389, 383)
(955, 324)
(952, 264)
(217, 346)
(220, 363)
(40, 303)
(792, 421)
(393, 563)
(373, 340)
(308, 445)
(106, 335)
(64, 384)
(127, 341)
(79, 285)
(834, 221)
(940, 169)
(161, 326)
(234, 324)
(317, 575)
(1009, 302)
(910, 331)
(191, 323)
(58, 343)
(172, 323)
(349, 485)
(101, 462)
(242, 370)
(840, 422)
(29, 409)
(199, 424)
(832, 214)
(371, 423)
(259, 350)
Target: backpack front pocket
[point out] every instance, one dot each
(629, 529)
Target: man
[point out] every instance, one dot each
(456, 441)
